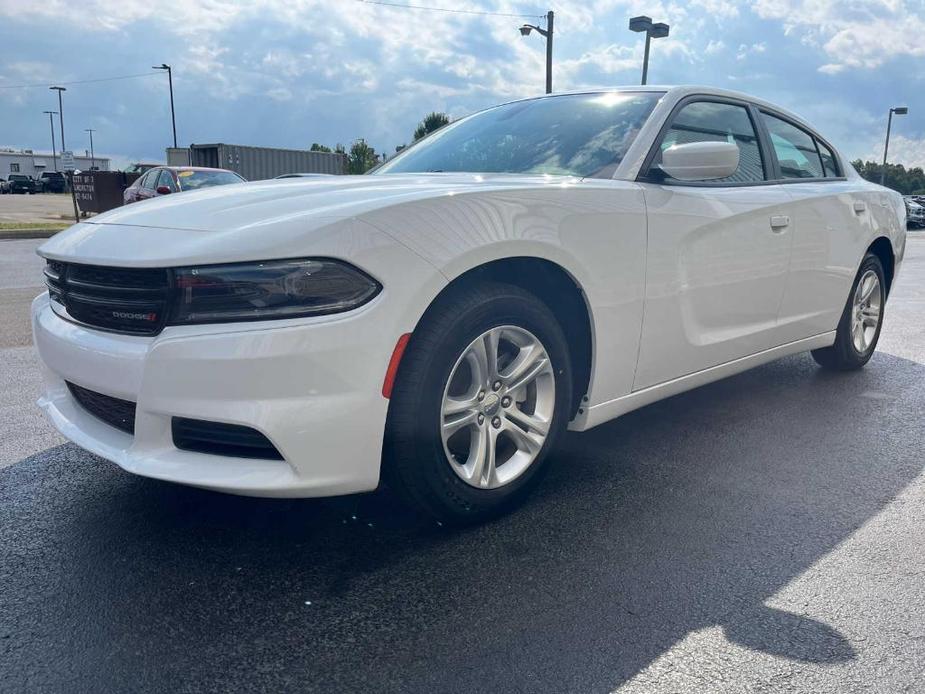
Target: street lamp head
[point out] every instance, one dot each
(525, 30)
(162, 66)
(641, 23)
(659, 31)
(900, 110)
(51, 113)
(59, 89)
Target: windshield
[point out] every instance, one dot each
(576, 135)
(193, 180)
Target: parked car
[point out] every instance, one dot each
(164, 180)
(548, 263)
(303, 175)
(53, 182)
(915, 213)
(4, 186)
(23, 184)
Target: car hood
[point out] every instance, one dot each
(224, 208)
(237, 220)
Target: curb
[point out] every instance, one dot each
(9, 234)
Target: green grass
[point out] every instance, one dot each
(32, 226)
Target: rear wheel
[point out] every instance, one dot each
(482, 395)
(859, 328)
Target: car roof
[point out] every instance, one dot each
(678, 92)
(193, 168)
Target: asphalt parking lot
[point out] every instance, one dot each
(30, 209)
(763, 533)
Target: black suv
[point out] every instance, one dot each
(53, 182)
(22, 184)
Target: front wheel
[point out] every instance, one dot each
(859, 328)
(483, 393)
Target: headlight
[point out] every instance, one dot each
(268, 289)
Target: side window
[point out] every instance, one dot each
(709, 121)
(829, 162)
(795, 149)
(148, 181)
(166, 179)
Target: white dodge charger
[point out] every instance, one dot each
(548, 263)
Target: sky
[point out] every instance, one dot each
(286, 73)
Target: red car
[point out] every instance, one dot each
(164, 180)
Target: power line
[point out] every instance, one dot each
(98, 79)
(451, 10)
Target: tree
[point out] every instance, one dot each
(319, 148)
(432, 121)
(898, 177)
(361, 157)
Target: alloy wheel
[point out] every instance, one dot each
(497, 407)
(868, 305)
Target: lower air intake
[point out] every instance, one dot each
(217, 438)
(115, 412)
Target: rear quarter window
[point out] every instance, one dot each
(795, 149)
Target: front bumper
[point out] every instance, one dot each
(311, 386)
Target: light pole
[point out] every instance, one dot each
(653, 31)
(92, 157)
(173, 120)
(60, 113)
(547, 32)
(51, 124)
(899, 111)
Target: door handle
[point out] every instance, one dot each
(859, 206)
(779, 222)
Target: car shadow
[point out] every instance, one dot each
(690, 513)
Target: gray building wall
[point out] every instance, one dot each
(259, 163)
(34, 163)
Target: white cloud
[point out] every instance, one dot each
(714, 47)
(909, 152)
(858, 34)
(718, 8)
(745, 50)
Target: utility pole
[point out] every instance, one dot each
(92, 157)
(51, 124)
(173, 119)
(548, 33)
(61, 113)
(70, 174)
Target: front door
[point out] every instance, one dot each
(718, 253)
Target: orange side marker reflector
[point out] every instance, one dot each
(392, 371)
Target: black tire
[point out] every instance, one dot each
(414, 461)
(843, 355)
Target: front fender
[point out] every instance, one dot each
(595, 230)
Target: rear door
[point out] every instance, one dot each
(718, 251)
(831, 227)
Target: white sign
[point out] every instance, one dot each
(67, 160)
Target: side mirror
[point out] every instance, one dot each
(700, 161)
(162, 190)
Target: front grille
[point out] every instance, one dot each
(218, 438)
(115, 412)
(124, 300)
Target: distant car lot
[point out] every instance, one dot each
(760, 533)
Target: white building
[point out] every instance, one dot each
(25, 161)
